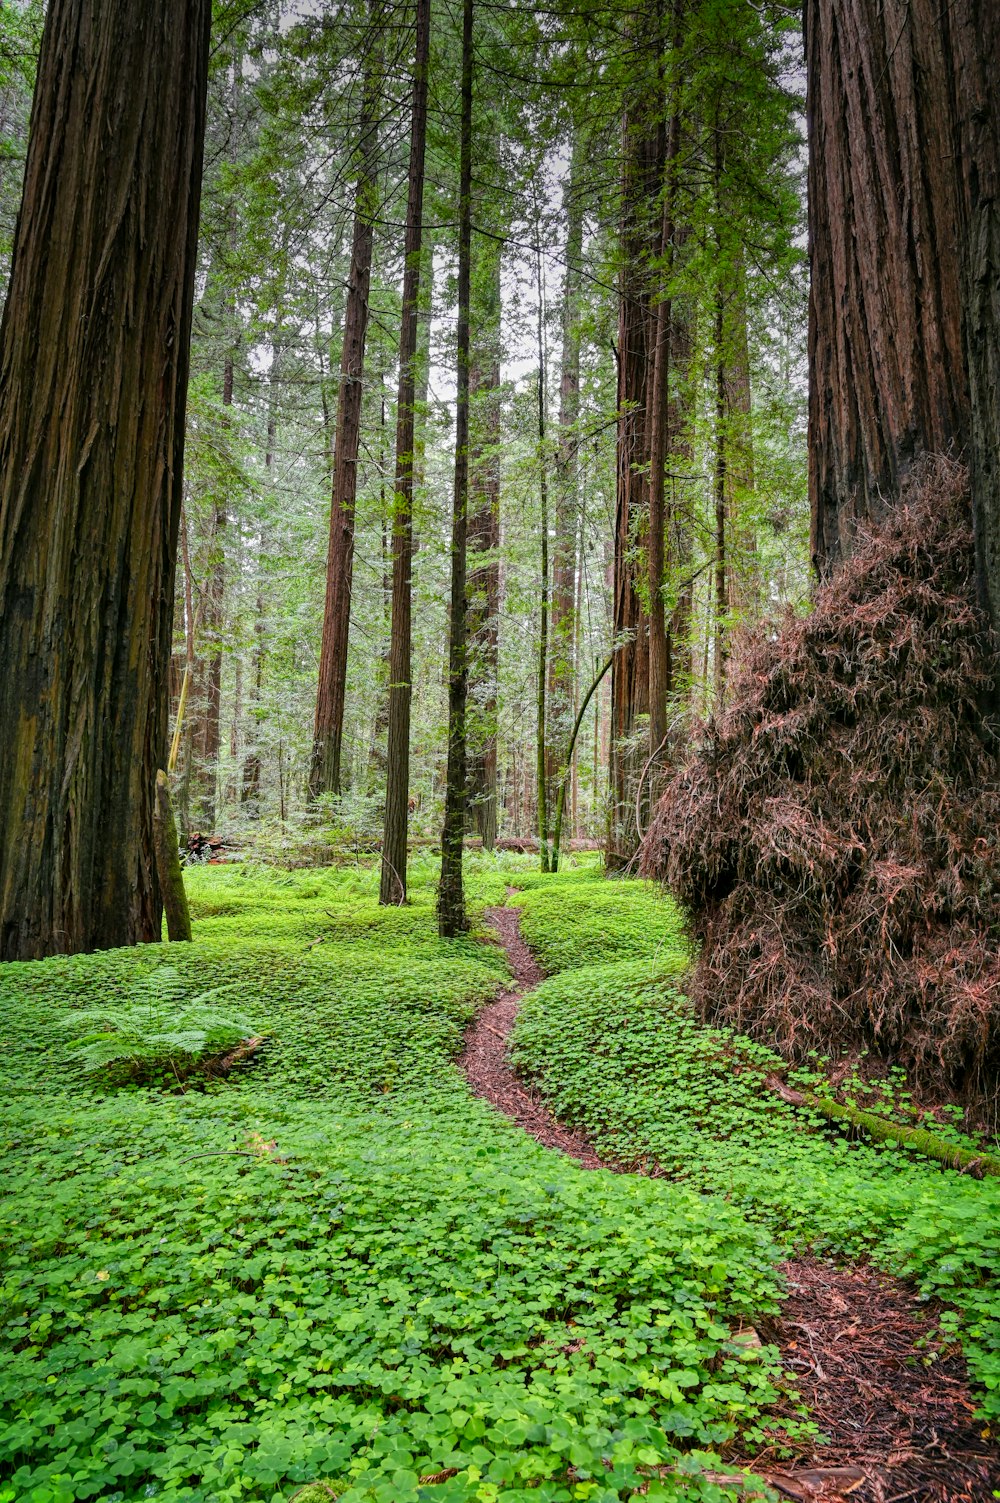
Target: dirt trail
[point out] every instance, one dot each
(900, 1429)
(485, 1061)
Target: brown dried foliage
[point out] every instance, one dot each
(835, 837)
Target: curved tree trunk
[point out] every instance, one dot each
(93, 371)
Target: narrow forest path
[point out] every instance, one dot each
(887, 1391)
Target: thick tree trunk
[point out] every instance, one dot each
(484, 539)
(451, 897)
(393, 877)
(328, 730)
(93, 371)
(888, 379)
(974, 33)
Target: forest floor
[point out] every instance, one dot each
(339, 1272)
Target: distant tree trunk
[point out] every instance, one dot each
(484, 538)
(563, 633)
(328, 731)
(393, 877)
(888, 379)
(660, 666)
(541, 759)
(451, 898)
(743, 582)
(250, 791)
(206, 730)
(630, 669)
(93, 372)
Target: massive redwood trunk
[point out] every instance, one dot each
(93, 369)
(328, 730)
(888, 374)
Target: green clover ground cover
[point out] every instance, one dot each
(614, 1050)
(337, 1264)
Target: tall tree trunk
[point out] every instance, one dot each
(250, 791)
(563, 633)
(541, 760)
(328, 730)
(393, 877)
(206, 730)
(451, 897)
(484, 539)
(660, 667)
(743, 579)
(630, 669)
(888, 379)
(975, 47)
(93, 372)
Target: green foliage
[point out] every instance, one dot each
(614, 1050)
(338, 1266)
(577, 918)
(154, 1027)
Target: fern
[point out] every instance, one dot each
(155, 1027)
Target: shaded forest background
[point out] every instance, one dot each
(580, 114)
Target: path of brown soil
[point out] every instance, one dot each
(900, 1429)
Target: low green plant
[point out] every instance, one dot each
(153, 1028)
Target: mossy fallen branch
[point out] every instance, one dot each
(882, 1130)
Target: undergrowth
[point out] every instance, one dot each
(337, 1265)
(616, 1051)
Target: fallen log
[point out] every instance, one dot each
(882, 1130)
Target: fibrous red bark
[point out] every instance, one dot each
(93, 372)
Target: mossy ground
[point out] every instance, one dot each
(338, 1266)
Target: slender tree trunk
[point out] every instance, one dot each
(660, 674)
(484, 539)
(393, 879)
(328, 731)
(93, 373)
(630, 669)
(541, 764)
(561, 663)
(742, 579)
(250, 792)
(451, 897)
(207, 729)
(721, 496)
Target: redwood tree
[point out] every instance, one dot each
(392, 887)
(328, 730)
(905, 253)
(451, 897)
(93, 369)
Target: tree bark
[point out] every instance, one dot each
(484, 539)
(451, 898)
(888, 379)
(541, 744)
(328, 730)
(93, 372)
(392, 887)
(630, 670)
(563, 624)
